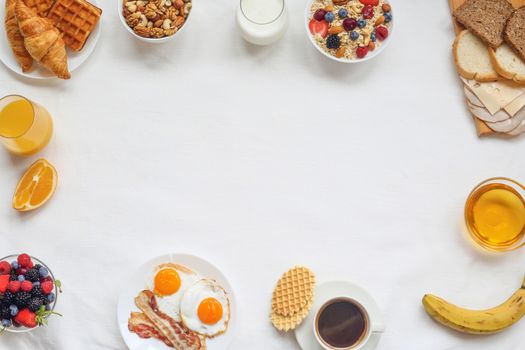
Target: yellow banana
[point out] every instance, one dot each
(477, 321)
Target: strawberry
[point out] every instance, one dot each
(26, 318)
(318, 28)
(4, 282)
(24, 260)
(14, 286)
(26, 286)
(47, 287)
(369, 2)
(5, 268)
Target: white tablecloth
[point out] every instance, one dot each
(258, 159)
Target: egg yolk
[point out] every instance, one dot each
(167, 282)
(210, 311)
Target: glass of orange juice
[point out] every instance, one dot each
(25, 126)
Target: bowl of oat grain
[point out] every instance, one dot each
(349, 31)
(154, 21)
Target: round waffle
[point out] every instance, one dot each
(293, 291)
(286, 323)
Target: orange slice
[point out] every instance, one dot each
(36, 186)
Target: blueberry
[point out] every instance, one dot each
(354, 35)
(388, 17)
(14, 265)
(6, 323)
(361, 23)
(329, 17)
(343, 13)
(48, 307)
(43, 272)
(373, 37)
(21, 278)
(36, 284)
(13, 310)
(51, 297)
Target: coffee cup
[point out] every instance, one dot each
(343, 323)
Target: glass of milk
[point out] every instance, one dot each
(262, 22)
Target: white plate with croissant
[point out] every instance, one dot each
(47, 39)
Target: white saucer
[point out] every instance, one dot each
(138, 281)
(329, 290)
(74, 59)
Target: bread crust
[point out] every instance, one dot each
(463, 72)
(517, 78)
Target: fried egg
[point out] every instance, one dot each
(168, 283)
(205, 308)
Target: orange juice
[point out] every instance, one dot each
(25, 127)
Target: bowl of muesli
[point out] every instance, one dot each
(349, 31)
(154, 21)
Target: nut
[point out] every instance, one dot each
(380, 20)
(143, 21)
(335, 30)
(187, 8)
(340, 2)
(157, 33)
(371, 46)
(170, 31)
(179, 4)
(340, 52)
(166, 24)
(329, 8)
(142, 31)
(168, 3)
(386, 7)
(179, 21)
(158, 23)
(132, 20)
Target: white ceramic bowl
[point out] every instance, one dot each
(369, 56)
(149, 40)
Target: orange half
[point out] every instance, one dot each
(36, 186)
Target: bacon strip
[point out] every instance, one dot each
(179, 336)
(138, 323)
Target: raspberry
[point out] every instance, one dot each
(381, 33)
(27, 286)
(4, 282)
(24, 260)
(367, 12)
(5, 268)
(14, 286)
(362, 51)
(47, 287)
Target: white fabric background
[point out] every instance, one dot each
(258, 159)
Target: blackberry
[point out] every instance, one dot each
(333, 42)
(13, 277)
(37, 267)
(37, 292)
(34, 304)
(21, 299)
(32, 275)
(7, 299)
(5, 314)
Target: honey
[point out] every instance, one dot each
(495, 215)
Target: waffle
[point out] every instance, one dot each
(40, 6)
(293, 291)
(286, 323)
(76, 19)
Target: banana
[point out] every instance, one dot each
(477, 321)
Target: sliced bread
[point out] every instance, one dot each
(515, 32)
(485, 18)
(472, 58)
(508, 64)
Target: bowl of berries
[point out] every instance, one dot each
(349, 31)
(28, 293)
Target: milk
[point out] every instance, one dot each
(262, 22)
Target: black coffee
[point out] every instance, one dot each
(341, 324)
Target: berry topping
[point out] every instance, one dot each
(47, 287)
(354, 35)
(32, 275)
(21, 299)
(361, 23)
(367, 12)
(24, 260)
(5, 313)
(42, 271)
(318, 28)
(333, 42)
(6, 323)
(343, 13)
(329, 17)
(14, 265)
(381, 33)
(13, 310)
(5, 268)
(388, 17)
(369, 2)
(319, 14)
(4, 282)
(21, 278)
(35, 304)
(51, 297)
(26, 286)
(14, 286)
(26, 318)
(8, 298)
(361, 51)
(349, 24)
(373, 37)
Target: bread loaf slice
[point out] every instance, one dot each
(508, 64)
(515, 32)
(472, 58)
(485, 18)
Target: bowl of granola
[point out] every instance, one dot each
(154, 21)
(349, 31)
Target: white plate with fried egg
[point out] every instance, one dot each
(188, 289)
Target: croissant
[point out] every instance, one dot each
(42, 40)
(15, 38)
